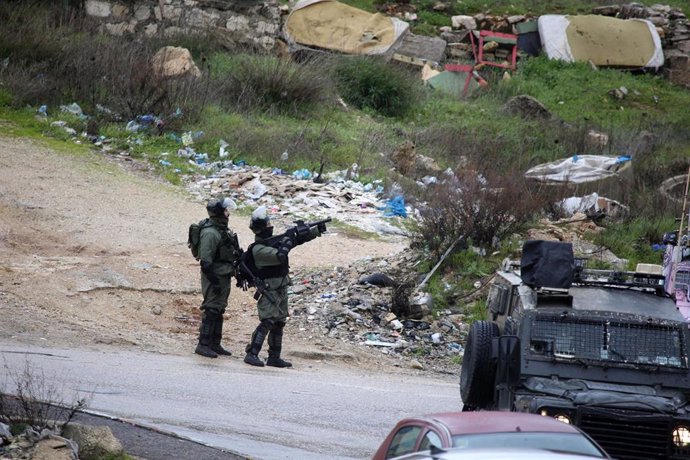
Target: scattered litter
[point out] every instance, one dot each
(74, 109)
(579, 169)
(395, 207)
(375, 343)
(302, 174)
(222, 152)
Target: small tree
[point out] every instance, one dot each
(480, 207)
(30, 398)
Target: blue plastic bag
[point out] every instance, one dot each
(395, 207)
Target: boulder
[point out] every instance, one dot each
(95, 442)
(173, 61)
(54, 448)
(527, 107)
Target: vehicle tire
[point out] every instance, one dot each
(478, 372)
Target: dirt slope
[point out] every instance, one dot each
(93, 254)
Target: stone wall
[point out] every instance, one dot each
(257, 23)
(236, 23)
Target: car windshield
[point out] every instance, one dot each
(561, 442)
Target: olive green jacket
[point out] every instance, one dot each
(217, 245)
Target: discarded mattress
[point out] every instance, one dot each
(579, 169)
(603, 40)
(331, 25)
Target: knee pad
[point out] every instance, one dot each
(266, 325)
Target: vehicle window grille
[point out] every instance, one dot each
(632, 343)
(682, 278)
(628, 435)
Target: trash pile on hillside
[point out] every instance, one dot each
(297, 196)
(372, 303)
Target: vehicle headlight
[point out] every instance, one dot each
(560, 416)
(681, 436)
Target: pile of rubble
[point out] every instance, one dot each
(373, 303)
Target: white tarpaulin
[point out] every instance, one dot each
(602, 40)
(579, 169)
(589, 203)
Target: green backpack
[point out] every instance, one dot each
(195, 236)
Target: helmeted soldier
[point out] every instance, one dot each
(268, 260)
(218, 251)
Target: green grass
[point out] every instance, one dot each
(572, 90)
(633, 239)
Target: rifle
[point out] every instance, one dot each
(246, 278)
(299, 234)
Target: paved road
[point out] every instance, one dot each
(315, 411)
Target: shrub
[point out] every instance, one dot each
(370, 83)
(477, 206)
(269, 84)
(33, 399)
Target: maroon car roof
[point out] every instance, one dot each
(498, 422)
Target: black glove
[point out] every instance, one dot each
(322, 227)
(285, 245)
(291, 233)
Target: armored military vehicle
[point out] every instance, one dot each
(605, 350)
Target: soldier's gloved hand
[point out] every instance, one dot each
(285, 245)
(322, 227)
(291, 233)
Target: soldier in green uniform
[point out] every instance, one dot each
(218, 251)
(268, 260)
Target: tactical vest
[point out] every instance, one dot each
(271, 271)
(228, 248)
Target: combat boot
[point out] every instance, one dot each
(254, 346)
(217, 334)
(275, 346)
(275, 361)
(254, 360)
(204, 346)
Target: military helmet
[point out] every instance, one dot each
(260, 220)
(217, 206)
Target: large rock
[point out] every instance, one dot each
(527, 107)
(54, 448)
(96, 8)
(95, 442)
(173, 61)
